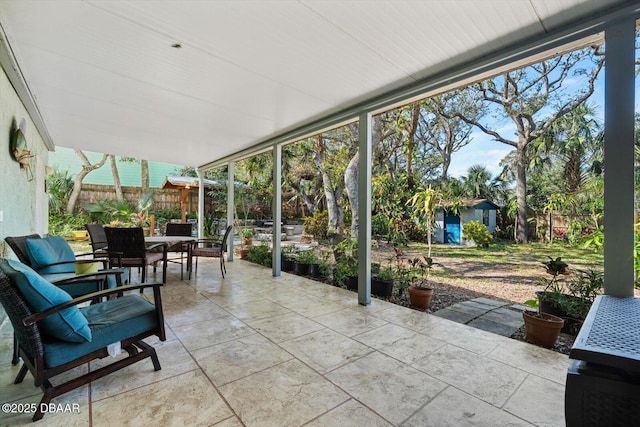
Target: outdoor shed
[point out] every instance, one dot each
(448, 224)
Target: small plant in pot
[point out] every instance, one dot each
(288, 256)
(320, 269)
(382, 281)
(303, 262)
(543, 328)
(568, 299)
(247, 236)
(417, 278)
(345, 272)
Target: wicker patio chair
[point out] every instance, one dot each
(127, 248)
(211, 248)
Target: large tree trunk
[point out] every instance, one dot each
(351, 186)
(144, 176)
(335, 227)
(77, 182)
(521, 193)
(116, 178)
(411, 143)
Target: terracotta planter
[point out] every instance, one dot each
(243, 253)
(247, 241)
(542, 328)
(420, 297)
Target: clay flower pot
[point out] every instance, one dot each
(420, 297)
(542, 328)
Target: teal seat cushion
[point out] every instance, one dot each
(40, 295)
(110, 321)
(50, 250)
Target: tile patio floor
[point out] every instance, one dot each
(255, 350)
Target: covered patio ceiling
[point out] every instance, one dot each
(195, 82)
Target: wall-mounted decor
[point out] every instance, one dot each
(18, 146)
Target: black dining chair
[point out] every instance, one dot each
(127, 248)
(182, 248)
(98, 239)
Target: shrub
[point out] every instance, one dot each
(317, 225)
(63, 224)
(380, 225)
(476, 231)
(260, 254)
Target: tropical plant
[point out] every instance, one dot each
(59, 187)
(425, 202)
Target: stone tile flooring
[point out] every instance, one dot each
(255, 350)
(489, 315)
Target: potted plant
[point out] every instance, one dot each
(568, 299)
(417, 279)
(345, 272)
(247, 236)
(288, 257)
(320, 269)
(303, 262)
(543, 328)
(382, 281)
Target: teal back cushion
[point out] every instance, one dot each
(50, 250)
(69, 324)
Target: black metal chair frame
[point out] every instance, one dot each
(31, 349)
(217, 248)
(179, 229)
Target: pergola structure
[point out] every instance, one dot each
(211, 83)
(185, 185)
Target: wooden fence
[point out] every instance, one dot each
(164, 199)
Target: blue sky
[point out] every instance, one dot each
(485, 151)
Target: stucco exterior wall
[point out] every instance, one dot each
(23, 202)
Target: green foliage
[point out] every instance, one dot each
(346, 266)
(108, 211)
(259, 254)
(246, 233)
(63, 224)
(307, 257)
(595, 240)
(59, 187)
(476, 231)
(574, 296)
(289, 252)
(380, 225)
(210, 225)
(414, 271)
(317, 225)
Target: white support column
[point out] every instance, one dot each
(200, 203)
(364, 209)
(619, 157)
(276, 209)
(231, 179)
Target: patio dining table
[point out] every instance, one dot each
(174, 243)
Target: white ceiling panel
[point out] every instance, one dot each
(105, 77)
